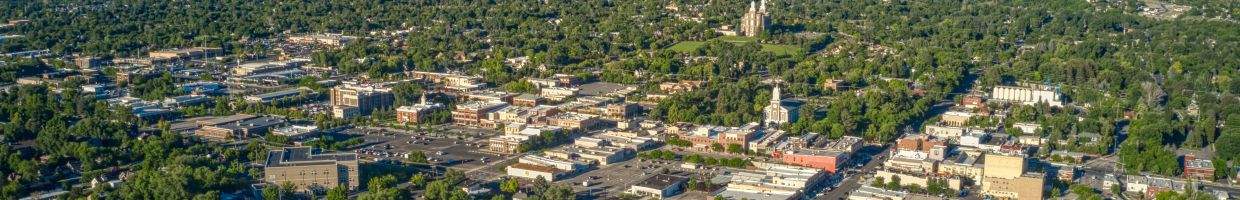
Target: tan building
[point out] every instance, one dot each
(573, 121)
(309, 169)
(621, 111)
(352, 99)
(238, 129)
(1004, 177)
(955, 118)
(531, 171)
(1000, 166)
(754, 22)
(474, 113)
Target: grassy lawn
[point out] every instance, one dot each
(688, 46)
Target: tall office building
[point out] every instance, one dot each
(352, 100)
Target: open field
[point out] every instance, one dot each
(778, 49)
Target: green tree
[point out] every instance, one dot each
(338, 193)
(416, 156)
(509, 186)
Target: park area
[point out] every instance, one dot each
(777, 49)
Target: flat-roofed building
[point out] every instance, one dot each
(531, 171)
(962, 165)
(507, 144)
(327, 39)
(621, 111)
(829, 160)
(574, 121)
(353, 99)
(240, 129)
(254, 68)
(1004, 177)
(177, 55)
(527, 100)
(946, 132)
(277, 95)
(489, 95)
(1198, 168)
(917, 179)
(559, 93)
(1152, 185)
(1027, 95)
(296, 131)
(659, 186)
(310, 169)
(955, 118)
(772, 181)
(473, 113)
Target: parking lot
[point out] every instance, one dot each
(453, 147)
(615, 179)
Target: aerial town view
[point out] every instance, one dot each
(619, 99)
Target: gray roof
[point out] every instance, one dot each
(661, 181)
(296, 156)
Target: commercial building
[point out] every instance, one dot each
(277, 95)
(239, 129)
(772, 181)
(326, 39)
(659, 186)
(451, 82)
(867, 192)
(489, 95)
(574, 121)
(559, 93)
(179, 55)
(829, 160)
(296, 131)
(473, 113)
(922, 180)
(254, 68)
(1151, 185)
(531, 171)
(353, 99)
(527, 100)
(550, 169)
(599, 155)
(309, 169)
(621, 111)
(1004, 177)
(510, 142)
(955, 118)
(1198, 168)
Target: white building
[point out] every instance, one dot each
(772, 181)
(778, 111)
(1027, 96)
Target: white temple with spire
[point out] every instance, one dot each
(754, 22)
(779, 111)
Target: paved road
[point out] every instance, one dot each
(852, 182)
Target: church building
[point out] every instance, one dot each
(780, 111)
(755, 20)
